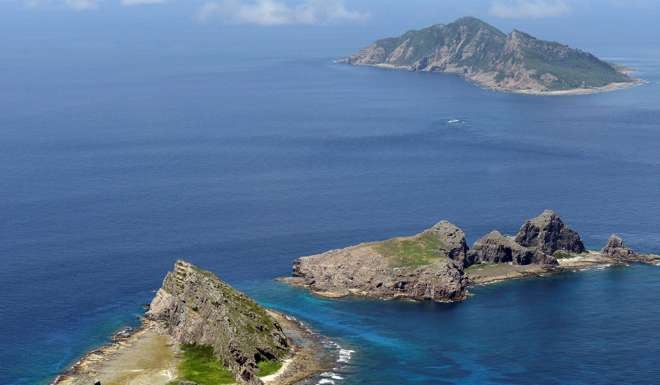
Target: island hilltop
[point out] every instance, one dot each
(438, 265)
(199, 330)
(514, 62)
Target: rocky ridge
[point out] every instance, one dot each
(198, 308)
(438, 265)
(487, 56)
(194, 307)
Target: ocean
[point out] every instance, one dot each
(112, 169)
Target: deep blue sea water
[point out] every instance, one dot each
(112, 168)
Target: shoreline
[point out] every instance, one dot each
(481, 275)
(309, 357)
(575, 91)
(93, 364)
(569, 92)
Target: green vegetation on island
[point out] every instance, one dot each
(268, 367)
(411, 252)
(487, 56)
(200, 366)
(239, 333)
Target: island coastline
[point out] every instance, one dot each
(152, 355)
(616, 86)
(437, 264)
(514, 62)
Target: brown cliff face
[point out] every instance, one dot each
(196, 307)
(484, 55)
(497, 248)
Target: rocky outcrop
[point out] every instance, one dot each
(198, 308)
(487, 56)
(497, 248)
(430, 265)
(452, 238)
(536, 242)
(427, 266)
(548, 233)
(616, 248)
(437, 264)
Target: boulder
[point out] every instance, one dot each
(548, 233)
(616, 248)
(497, 248)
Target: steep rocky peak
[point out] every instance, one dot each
(494, 234)
(468, 28)
(548, 233)
(473, 23)
(615, 241)
(196, 307)
(520, 35)
(546, 217)
(616, 248)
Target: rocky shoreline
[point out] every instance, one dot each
(438, 265)
(101, 363)
(152, 354)
(539, 91)
(586, 261)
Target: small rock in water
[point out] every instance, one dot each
(122, 334)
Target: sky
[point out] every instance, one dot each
(313, 27)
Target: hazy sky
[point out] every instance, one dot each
(330, 26)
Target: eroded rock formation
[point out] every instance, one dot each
(452, 238)
(198, 308)
(548, 233)
(497, 248)
(616, 248)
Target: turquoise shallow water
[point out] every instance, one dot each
(592, 327)
(243, 163)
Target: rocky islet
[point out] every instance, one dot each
(441, 266)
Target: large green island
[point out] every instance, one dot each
(514, 62)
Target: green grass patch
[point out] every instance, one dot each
(202, 367)
(412, 252)
(268, 367)
(559, 254)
